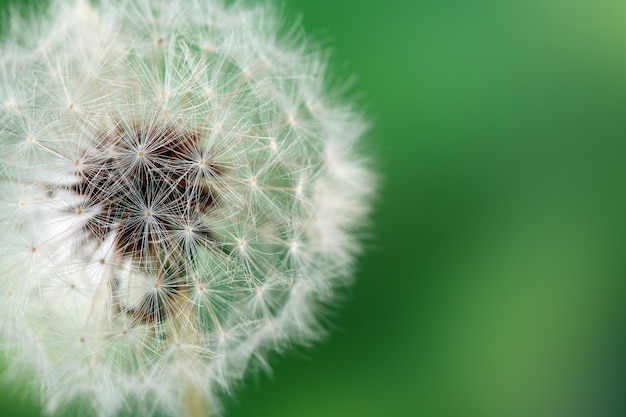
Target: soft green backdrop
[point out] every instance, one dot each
(494, 284)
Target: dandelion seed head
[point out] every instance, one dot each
(179, 196)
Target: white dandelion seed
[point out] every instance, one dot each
(178, 197)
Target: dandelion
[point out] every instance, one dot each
(179, 195)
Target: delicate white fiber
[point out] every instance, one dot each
(179, 195)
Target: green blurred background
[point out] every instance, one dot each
(493, 285)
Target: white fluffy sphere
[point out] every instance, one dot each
(179, 194)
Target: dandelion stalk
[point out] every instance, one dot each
(179, 197)
(195, 403)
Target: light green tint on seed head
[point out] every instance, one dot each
(181, 194)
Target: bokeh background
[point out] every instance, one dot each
(494, 281)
